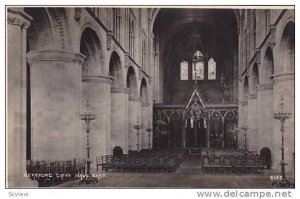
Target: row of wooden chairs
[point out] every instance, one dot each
(155, 161)
(233, 164)
(49, 173)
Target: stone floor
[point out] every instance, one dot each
(189, 175)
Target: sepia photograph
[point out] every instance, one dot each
(175, 97)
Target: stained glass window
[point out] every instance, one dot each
(198, 66)
(184, 70)
(212, 69)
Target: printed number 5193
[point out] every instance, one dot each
(275, 177)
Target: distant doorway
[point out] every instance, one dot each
(196, 134)
(117, 151)
(266, 154)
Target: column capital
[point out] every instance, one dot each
(134, 98)
(54, 55)
(18, 17)
(118, 90)
(263, 87)
(145, 104)
(244, 103)
(284, 77)
(97, 79)
(252, 96)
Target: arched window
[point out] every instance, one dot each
(212, 73)
(116, 23)
(184, 70)
(198, 66)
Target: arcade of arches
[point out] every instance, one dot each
(154, 78)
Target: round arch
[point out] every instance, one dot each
(267, 71)
(131, 81)
(116, 70)
(155, 11)
(144, 91)
(287, 47)
(90, 47)
(254, 78)
(245, 88)
(48, 28)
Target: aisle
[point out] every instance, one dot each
(190, 166)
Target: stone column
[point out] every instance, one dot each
(119, 130)
(208, 130)
(134, 114)
(97, 89)
(284, 87)
(127, 121)
(244, 123)
(265, 118)
(17, 24)
(55, 100)
(150, 118)
(252, 114)
(145, 126)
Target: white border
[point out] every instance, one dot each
(125, 193)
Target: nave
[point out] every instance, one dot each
(188, 175)
(163, 168)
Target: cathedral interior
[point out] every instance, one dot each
(198, 92)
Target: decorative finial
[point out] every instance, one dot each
(195, 84)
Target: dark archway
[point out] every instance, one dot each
(131, 82)
(287, 47)
(246, 88)
(255, 79)
(90, 47)
(117, 151)
(266, 155)
(144, 91)
(115, 71)
(267, 71)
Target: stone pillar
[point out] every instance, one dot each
(157, 74)
(55, 100)
(244, 123)
(150, 118)
(97, 89)
(145, 126)
(119, 130)
(127, 119)
(134, 114)
(265, 118)
(284, 87)
(252, 130)
(17, 24)
(208, 130)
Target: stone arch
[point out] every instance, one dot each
(245, 88)
(144, 91)
(266, 155)
(48, 28)
(216, 114)
(254, 79)
(287, 49)
(131, 81)
(267, 71)
(117, 151)
(90, 46)
(116, 71)
(154, 12)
